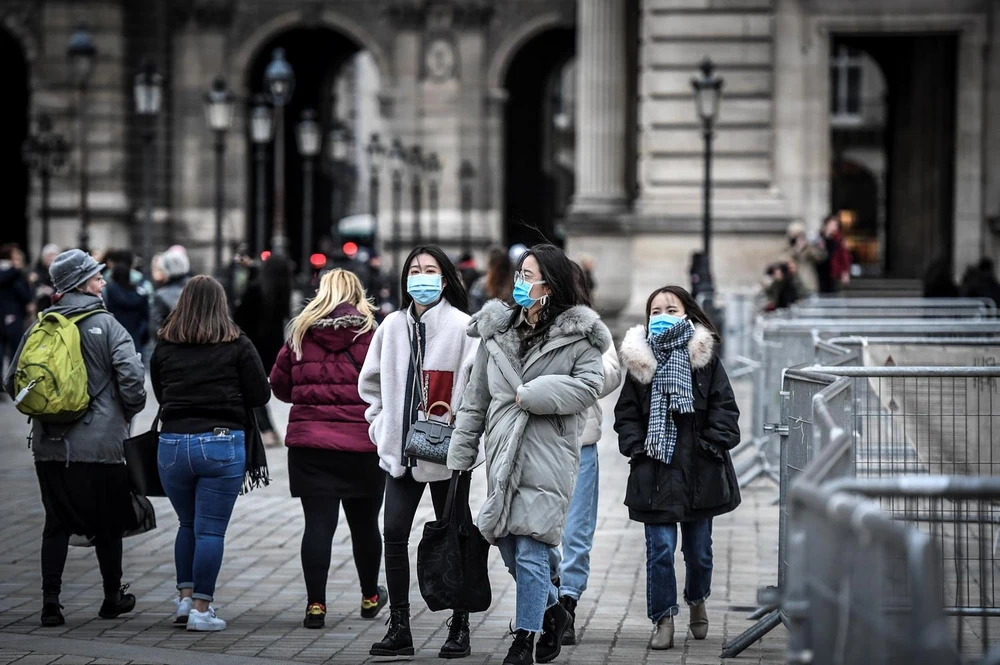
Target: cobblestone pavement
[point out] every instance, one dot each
(261, 592)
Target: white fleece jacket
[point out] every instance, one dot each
(383, 382)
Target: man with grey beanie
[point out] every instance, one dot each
(81, 473)
(174, 270)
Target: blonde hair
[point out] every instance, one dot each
(336, 287)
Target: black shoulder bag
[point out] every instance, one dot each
(140, 460)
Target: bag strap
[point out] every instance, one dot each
(351, 360)
(417, 364)
(454, 487)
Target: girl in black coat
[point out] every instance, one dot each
(676, 421)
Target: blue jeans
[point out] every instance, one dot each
(661, 582)
(527, 560)
(572, 565)
(202, 475)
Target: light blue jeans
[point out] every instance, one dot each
(527, 560)
(572, 565)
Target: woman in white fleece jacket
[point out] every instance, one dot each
(425, 339)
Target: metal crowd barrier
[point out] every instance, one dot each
(891, 422)
(895, 303)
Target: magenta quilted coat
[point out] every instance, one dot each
(322, 386)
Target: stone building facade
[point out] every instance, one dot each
(576, 116)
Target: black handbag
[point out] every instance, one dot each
(453, 556)
(140, 461)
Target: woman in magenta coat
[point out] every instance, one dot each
(331, 459)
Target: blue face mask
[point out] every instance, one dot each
(522, 293)
(661, 323)
(424, 289)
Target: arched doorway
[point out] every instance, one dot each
(539, 137)
(14, 120)
(339, 80)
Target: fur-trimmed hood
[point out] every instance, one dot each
(493, 321)
(637, 355)
(339, 329)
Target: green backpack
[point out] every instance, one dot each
(51, 377)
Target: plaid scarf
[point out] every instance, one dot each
(671, 390)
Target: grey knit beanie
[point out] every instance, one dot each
(71, 269)
(174, 263)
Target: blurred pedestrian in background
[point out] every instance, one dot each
(207, 378)
(331, 459)
(467, 269)
(15, 299)
(40, 280)
(833, 272)
(129, 304)
(938, 281)
(980, 281)
(496, 284)
(807, 255)
(262, 314)
(81, 472)
(586, 264)
(171, 272)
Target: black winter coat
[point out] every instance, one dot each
(700, 481)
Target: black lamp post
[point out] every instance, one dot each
(261, 131)
(309, 140)
(432, 167)
(376, 161)
(81, 54)
(148, 90)
(279, 81)
(416, 164)
(397, 162)
(219, 113)
(707, 95)
(466, 177)
(45, 153)
(340, 151)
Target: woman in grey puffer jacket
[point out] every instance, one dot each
(537, 373)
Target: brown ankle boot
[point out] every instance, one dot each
(663, 634)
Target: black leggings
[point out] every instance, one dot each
(55, 547)
(402, 495)
(322, 514)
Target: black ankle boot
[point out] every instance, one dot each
(457, 644)
(52, 615)
(117, 605)
(553, 627)
(397, 641)
(520, 652)
(569, 636)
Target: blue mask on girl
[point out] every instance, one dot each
(661, 323)
(424, 289)
(522, 293)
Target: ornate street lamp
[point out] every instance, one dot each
(707, 97)
(432, 167)
(466, 177)
(219, 113)
(415, 161)
(397, 164)
(279, 82)
(261, 131)
(309, 141)
(45, 153)
(81, 54)
(148, 92)
(376, 162)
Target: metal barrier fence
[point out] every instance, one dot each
(895, 303)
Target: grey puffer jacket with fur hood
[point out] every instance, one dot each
(532, 448)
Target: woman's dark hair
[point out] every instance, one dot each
(454, 287)
(121, 274)
(275, 278)
(499, 275)
(694, 311)
(564, 278)
(581, 282)
(201, 315)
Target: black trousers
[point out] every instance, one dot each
(322, 514)
(263, 418)
(55, 547)
(402, 496)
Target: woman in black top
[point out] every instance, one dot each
(207, 377)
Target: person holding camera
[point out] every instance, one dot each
(807, 256)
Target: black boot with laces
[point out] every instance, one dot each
(521, 650)
(569, 636)
(397, 641)
(553, 627)
(457, 645)
(118, 604)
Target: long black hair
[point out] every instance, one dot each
(691, 307)
(564, 278)
(454, 287)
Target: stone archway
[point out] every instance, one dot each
(14, 119)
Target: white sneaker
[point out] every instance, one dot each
(184, 606)
(205, 622)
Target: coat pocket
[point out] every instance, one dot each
(640, 490)
(711, 477)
